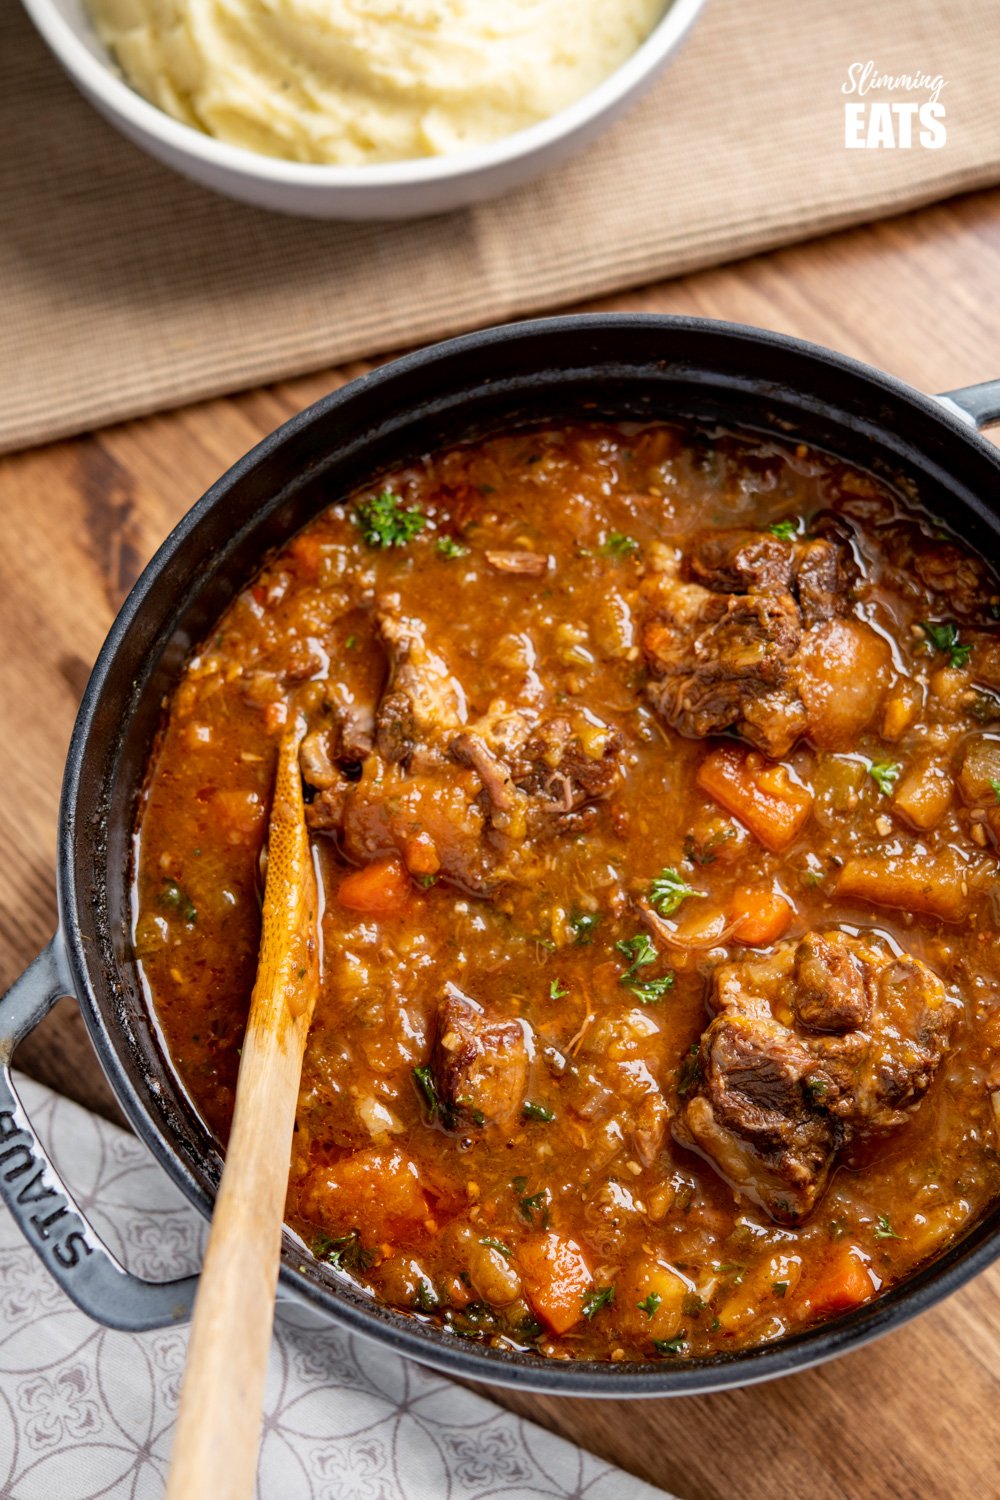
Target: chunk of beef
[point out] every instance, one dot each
(506, 802)
(819, 580)
(344, 738)
(417, 812)
(325, 813)
(569, 764)
(480, 1066)
(745, 656)
(738, 560)
(880, 1072)
(741, 561)
(424, 703)
(452, 797)
(962, 580)
(828, 1040)
(753, 1117)
(829, 992)
(722, 662)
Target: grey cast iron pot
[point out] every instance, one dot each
(632, 367)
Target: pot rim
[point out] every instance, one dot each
(404, 1333)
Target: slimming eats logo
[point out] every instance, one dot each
(881, 124)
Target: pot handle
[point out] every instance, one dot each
(44, 1211)
(979, 405)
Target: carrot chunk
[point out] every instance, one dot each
(763, 915)
(845, 1282)
(762, 795)
(381, 889)
(556, 1278)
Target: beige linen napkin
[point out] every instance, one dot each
(87, 1413)
(126, 289)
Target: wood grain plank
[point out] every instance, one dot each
(911, 1416)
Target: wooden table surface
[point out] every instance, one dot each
(914, 1415)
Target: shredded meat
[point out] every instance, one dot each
(829, 1040)
(480, 1066)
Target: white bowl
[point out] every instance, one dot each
(389, 190)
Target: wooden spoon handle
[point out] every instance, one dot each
(218, 1426)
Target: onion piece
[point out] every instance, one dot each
(667, 934)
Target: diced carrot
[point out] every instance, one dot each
(762, 795)
(421, 855)
(844, 1283)
(556, 1279)
(763, 915)
(381, 889)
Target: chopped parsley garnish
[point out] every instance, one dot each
(427, 1298)
(690, 1070)
(702, 852)
(530, 1204)
(532, 1111)
(650, 991)
(943, 636)
(996, 788)
(670, 1346)
(649, 1304)
(620, 545)
(667, 891)
(639, 951)
(176, 899)
(584, 925)
(529, 1328)
(384, 523)
(350, 643)
(779, 1288)
(346, 1253)
(885, 773)
(816, 1085)
(556, 991)
(449, 547)
(476, 1115)
(785, 530)
(884, 1230)
(601, 1296)
(424, 1079)
(491, 1244)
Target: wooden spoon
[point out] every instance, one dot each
(218, 1427)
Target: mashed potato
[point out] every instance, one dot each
(357, 81)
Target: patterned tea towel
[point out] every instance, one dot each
(86, 1412)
